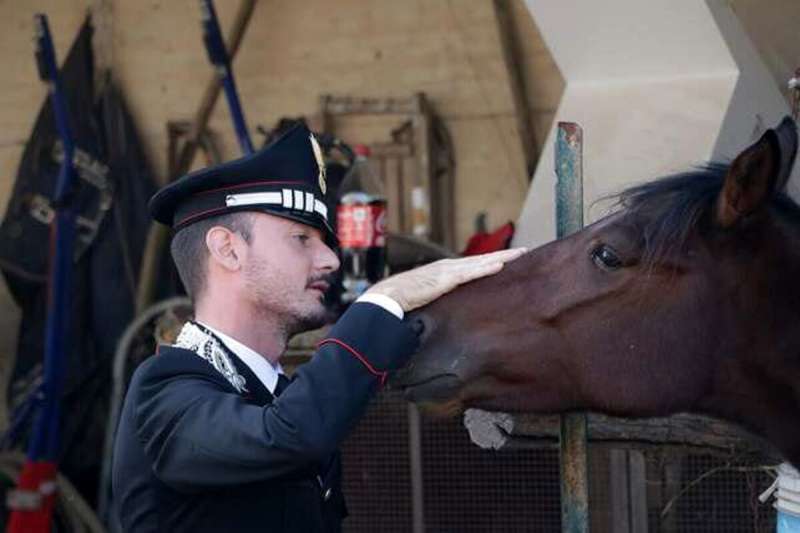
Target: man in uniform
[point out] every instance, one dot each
(213, 436)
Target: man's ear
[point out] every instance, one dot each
(757, 173)
(223, 248)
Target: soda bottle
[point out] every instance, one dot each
(361, 227)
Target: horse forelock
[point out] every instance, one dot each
(671, 209)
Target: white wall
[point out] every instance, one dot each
(658, 87)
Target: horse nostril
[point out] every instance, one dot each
(418, 325)
(421, 324)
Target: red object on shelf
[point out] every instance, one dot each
(482, 242)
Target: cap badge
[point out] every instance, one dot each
(320, 162)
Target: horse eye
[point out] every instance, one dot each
(606, 258)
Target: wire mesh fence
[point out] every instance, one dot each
(714, 496)
(468, 489)
(377, 471)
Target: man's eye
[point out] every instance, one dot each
(302, 238)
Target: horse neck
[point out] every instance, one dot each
(758, 382)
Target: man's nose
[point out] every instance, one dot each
(327, 260)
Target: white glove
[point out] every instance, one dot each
(422, 285)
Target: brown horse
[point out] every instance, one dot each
(687, 299)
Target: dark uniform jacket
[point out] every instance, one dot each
(193, 454)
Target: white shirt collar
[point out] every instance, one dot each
(263, 369)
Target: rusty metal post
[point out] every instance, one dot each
(569, 219)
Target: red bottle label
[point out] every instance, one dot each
(361, 225)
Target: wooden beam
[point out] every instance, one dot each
(508, 46)
(685, 431)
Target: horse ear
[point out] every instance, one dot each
(757, 173)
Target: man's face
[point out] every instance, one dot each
(287, 272)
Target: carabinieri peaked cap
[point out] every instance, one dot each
(286, 178)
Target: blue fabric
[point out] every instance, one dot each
(787, 523)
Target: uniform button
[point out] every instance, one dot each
(327, 495)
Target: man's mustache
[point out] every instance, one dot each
(327, 278)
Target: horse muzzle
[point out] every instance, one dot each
(436, 372)
(421, 387)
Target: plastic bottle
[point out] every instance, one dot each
(361, 227)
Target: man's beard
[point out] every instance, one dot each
(313, 319)
(272, 299)
(299, 324)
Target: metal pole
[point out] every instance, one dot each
(44, 442)
(215, 46)
(38, 476)
(569, 219)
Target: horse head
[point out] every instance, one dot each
(687, 298)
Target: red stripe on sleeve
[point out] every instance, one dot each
(380, 375)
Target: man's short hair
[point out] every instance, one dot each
(190, 253)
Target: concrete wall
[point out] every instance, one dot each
(657, 86)
(773, 28)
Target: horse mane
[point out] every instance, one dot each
(671, 208)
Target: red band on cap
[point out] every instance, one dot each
(201, 214)
(251, 184)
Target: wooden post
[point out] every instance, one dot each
(569, 219)
(628, 491)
